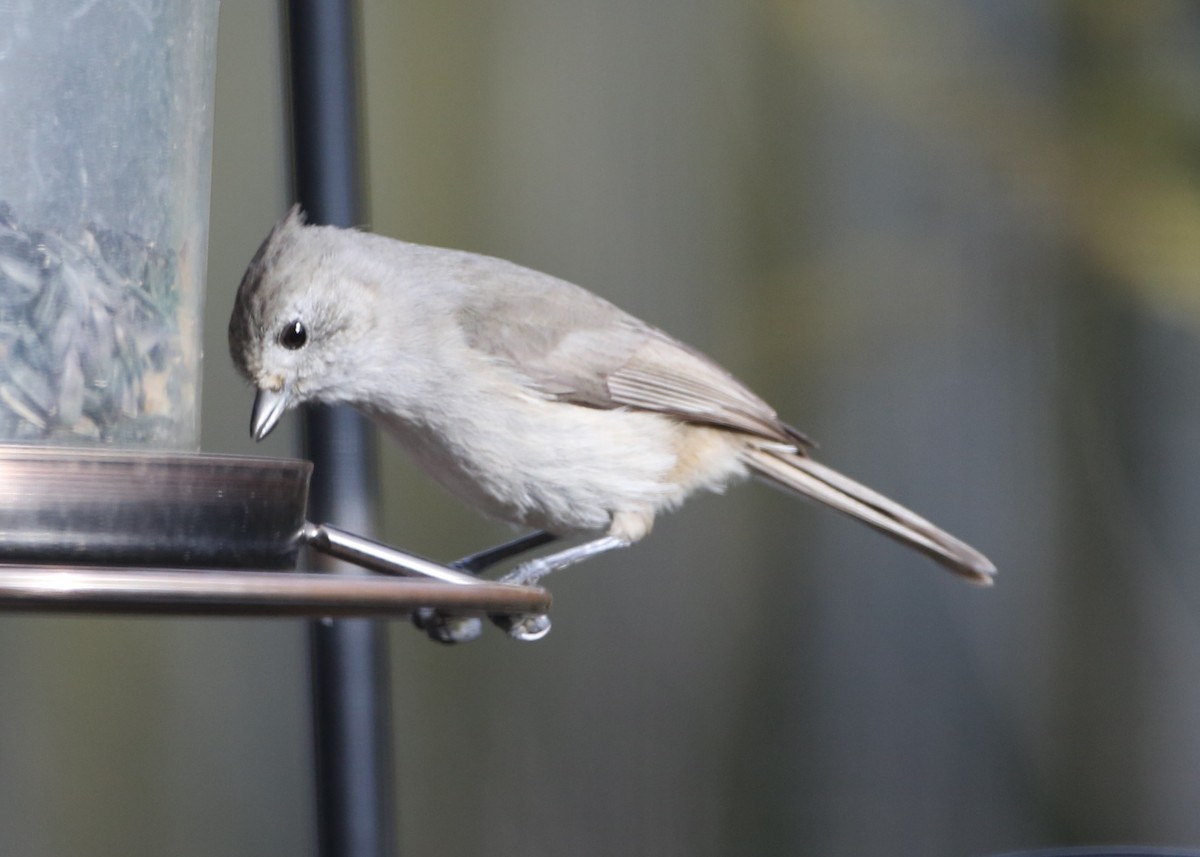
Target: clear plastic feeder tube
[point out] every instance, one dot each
(105, 161)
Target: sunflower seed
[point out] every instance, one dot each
(89, 337)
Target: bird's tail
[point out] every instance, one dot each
(799, 473)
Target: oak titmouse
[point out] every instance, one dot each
(531, 399)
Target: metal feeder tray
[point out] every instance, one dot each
(133, 532)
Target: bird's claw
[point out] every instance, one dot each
(447, 629)
(463, 629)
(528, 629)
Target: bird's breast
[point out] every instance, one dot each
(541, 463)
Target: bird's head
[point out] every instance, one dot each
(292, 329)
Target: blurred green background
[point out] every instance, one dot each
(956, 242)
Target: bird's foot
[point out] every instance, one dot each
(527, 629)
(442, 628)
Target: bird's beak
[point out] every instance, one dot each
(269, 406)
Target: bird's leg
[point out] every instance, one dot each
(477, 563)
(529, 573)
(446, 629)
(461, 629)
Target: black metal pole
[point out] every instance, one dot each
(351, 720)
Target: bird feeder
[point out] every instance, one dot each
(106, 503)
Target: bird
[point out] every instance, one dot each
(533, 400)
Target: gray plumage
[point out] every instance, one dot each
(533, 400)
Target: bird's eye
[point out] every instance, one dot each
(293, 336)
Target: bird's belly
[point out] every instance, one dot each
(549, 465)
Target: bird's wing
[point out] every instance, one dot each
(665, 375)
(576, 347)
